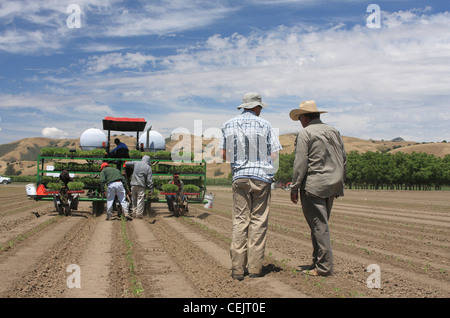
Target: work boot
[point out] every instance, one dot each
(253, 275)
(237, 277)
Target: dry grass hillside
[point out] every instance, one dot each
(23, 153)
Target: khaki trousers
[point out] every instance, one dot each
(317, 213)
(138, 199)
(251, 201)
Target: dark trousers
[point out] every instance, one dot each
(317, 213)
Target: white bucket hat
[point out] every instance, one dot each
(305, 107)
(251, 100)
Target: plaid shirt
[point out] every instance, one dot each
(249, 141)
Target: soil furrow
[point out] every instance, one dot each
(404, 233)
(294, 251)
(37, 269)
(159, 273)
(94, 263)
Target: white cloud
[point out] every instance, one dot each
(116, 18)
(407, 62)
(53, 132)
(373, 81)
(96, 64)
(360, 75)
(164, 17)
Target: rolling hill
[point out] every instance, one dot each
(23, 153)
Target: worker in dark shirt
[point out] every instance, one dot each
(65, 177)
(121, 150)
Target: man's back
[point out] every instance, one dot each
(250, 140)
(321, 160)
(142, 173)
(110, 174)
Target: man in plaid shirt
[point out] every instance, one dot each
(250, 144)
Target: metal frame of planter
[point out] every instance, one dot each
(94, 193)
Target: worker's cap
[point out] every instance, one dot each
(103, 166)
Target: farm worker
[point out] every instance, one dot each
(319, 173)
(178, 182)
(65, 177)
(251, 146)
(115, 185)
(141, 179)
(121, 150)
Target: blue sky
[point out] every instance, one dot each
(176, 62)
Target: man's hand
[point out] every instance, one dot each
(294, 197)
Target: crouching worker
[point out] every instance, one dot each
(115, 185)
(170, 198)
(141, 180)
(65, 177)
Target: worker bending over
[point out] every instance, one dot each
(115, 185)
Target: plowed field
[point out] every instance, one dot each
(406, 234)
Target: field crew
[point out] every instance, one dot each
(250, 144)
(319, 174)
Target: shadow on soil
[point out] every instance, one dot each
(270, 268)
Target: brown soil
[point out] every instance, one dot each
(405, 233)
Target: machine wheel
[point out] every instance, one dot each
(58, 205)
(97, 207)
(67, 210)
(182, 210)
(179, 207)
(59, 208)
(183, 207)
(176, 208)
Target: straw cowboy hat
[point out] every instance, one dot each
(251, 100)
(305, 107)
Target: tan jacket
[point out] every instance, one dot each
(320, 162)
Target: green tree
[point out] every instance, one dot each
(285, 168)
(10, 171)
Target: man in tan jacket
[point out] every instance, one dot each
(319, 173)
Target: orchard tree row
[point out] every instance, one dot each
(375, 170)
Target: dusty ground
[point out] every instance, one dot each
(405, 233)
